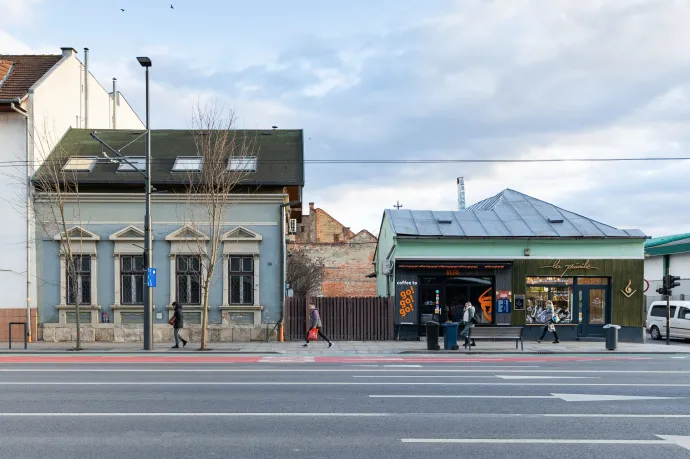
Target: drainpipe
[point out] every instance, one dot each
(283, 273)
(29, 209)
(86, 88)
(114, 103)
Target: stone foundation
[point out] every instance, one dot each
(112, 333)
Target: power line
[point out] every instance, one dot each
(18, 163)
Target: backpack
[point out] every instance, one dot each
(475, 319)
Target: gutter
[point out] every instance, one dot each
(283, 272)
(29, 209)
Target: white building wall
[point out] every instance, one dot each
(680, 265)
(653, 268)
(12, 210)
(126, 116)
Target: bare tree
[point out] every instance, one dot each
(304, 274)
(57, 208)
(227, 157)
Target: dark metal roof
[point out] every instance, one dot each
(280, 156)
(508, 214)
(24, 71)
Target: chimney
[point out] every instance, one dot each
(461, 193)
(68, 51)
(115, 102)
(311, 207)
(86, 88)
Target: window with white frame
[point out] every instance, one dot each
(132, 279)
(241, 275)
(188, 274)
(79, 284)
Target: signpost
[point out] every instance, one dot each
(151, 277)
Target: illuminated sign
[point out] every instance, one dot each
(557, 265)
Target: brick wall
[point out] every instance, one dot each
(321, 228)
(17, 315)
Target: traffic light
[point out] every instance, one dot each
(671, 281)
(662, 291)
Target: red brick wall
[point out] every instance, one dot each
(17, 315)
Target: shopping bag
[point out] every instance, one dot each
(556, 319)
(552, 328)
(313, 334)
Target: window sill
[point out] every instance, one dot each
(188, 307)
(71, 307)
(241, 307)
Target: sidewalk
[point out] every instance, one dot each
(360, 348)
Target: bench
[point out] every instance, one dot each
(497, 333)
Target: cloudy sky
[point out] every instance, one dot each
(416, 79)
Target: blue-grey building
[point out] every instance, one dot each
(104, 210)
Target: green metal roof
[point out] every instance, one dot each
(668, 245)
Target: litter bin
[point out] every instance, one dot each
(450, 336)
(432, 336)
(611, 332)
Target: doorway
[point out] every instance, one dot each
(594, 308)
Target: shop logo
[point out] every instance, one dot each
(628, 291)
(557, 265)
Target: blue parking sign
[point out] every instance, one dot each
(151, 277)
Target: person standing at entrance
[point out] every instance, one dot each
(549, 323)
(316, 323)
(468, 319)
(177, 321)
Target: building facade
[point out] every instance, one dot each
(41, 97)
(106, 231)
(347, 257)
(508, 255)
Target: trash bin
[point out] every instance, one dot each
(432, 336)
(450, 336)
(611, 332)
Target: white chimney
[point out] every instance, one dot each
(115, 102)
(68, 51)
(461, 193)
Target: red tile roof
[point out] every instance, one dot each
(25, 70)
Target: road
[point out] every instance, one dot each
(408, 407)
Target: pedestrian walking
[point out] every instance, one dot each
(316, 324)
(177, 321)
(468, 320)
(549, 323)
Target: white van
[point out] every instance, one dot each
(680, 319)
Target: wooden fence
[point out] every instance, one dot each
(344, 319)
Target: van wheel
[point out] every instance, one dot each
(656, 334)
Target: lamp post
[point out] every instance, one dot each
(148, 246)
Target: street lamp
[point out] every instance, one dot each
(148, 246)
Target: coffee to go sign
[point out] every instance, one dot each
(407, 301)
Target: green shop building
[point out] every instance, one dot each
(508, 255)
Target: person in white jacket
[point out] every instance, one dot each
(468, 320)
(549, 323)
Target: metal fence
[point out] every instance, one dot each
(344, 319)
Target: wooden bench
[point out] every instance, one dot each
(498, 333)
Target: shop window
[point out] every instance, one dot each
(592, 281)
(549, 280)
(429, 280)
(538, 295)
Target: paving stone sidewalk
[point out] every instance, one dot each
(360, 348)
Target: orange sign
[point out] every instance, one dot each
(407, 301)
(487, 304)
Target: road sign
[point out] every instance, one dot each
(151, 277)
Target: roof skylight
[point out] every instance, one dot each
(187, 164)
(139, 163)
(243, 163)
(80, 164)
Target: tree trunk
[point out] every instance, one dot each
(204, 316)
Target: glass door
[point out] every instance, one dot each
(429, 294)
(594, 310)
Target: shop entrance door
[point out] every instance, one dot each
(595, 310)
(428, 295)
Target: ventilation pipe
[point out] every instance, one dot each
(115, 101)
(461, 193)
(86, 88)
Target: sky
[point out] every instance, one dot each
(415, 80)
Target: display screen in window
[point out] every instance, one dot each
(535, 303)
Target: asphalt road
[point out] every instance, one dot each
(544, 408)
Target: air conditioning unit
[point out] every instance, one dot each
(293, 226)
(387, 267)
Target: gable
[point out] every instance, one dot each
(241, 234)
(79, 234)
(130, 233)
(186, 233)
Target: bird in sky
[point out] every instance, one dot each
(172, 7)
(122, 9)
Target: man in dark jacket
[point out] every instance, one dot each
(316, 323)
(178, 323)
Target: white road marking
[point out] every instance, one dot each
(621, 416)
(287, 360)
(544, 377)
(403, 366)
(607, 398)
(315, 383)
(314, 414)
(534, 441)
(564, 397)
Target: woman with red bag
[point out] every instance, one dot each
(315, 327)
